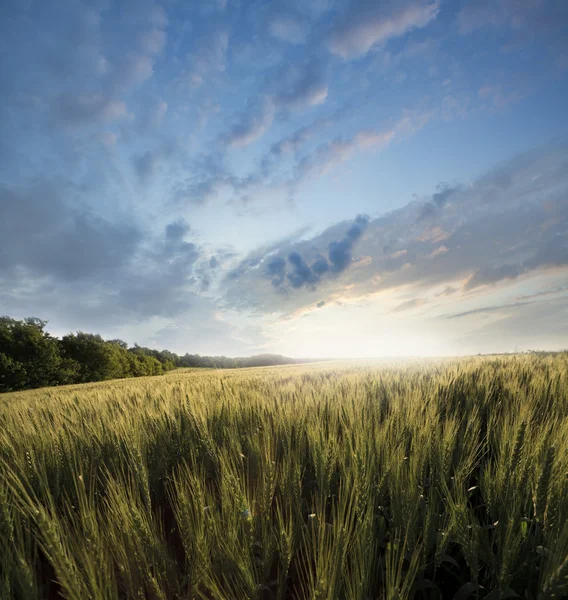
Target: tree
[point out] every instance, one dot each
(31, 356)
(99, 360)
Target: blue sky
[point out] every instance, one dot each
(325, 178)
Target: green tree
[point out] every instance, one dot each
(30, 356)
(98, 360)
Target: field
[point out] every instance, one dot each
(431, 479)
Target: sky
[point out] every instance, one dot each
(331, 178)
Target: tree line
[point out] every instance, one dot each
(30, 357)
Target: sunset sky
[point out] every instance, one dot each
(312, 178)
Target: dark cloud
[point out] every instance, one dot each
(300, 274)
(161, 278)
(146, 165)
(85, 267)
(44, 234)
(177, 230)
(439, 198)
(276, 270)
(444, 192)
(305, 269)
(321, 304)
(340, 252)
(320, 266)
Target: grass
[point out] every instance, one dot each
(431, 479)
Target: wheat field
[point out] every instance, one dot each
(395, 480)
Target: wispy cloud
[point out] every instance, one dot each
(367, 24)
(498, 308)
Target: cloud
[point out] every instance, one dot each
(300, 273)
(83, 82)
(295, 269)
(208, 176)
(509, 224)
(338, 150)
(276, 270)
(540, 16)
(340, 252)
(78, 109)
(208, 58)
(301, 87)
(132, 70)
(545, 293)
(409, 305)
(71, 264)
(491, 275)
(108, 138)
(147, 164)
(153, 41)
(289, 27)
(158, 17)
(44, 235)
(296, 140)
(439, 198)
(294, 88)
(253, 124)
(156, 115)
(487, 309)
(522, 327)
(162, 278)
(368, 23)
(329, 154)
(177, 230)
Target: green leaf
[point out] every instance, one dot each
(449, 559)
(467, 590)
(501, 594)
